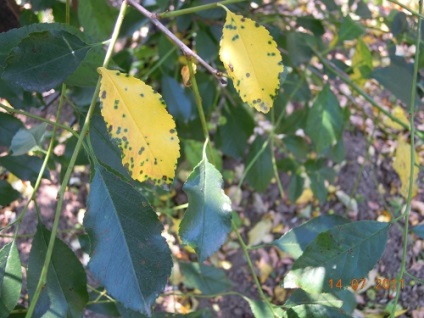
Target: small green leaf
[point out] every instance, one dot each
(38, 5)
(207, 220)
(325, 120)
(65, 292)
(299, 47)
(261, 172)
(24, 167)
(10, 278)
(9, 125)
(350, 30)
(26, 140)
(7, 193)
(43, 60)
(194, 151)
(344, 252)
(130, 257)
(295, 188)
(97, 17)
(232, 137)
(208, 279)
(295, 241)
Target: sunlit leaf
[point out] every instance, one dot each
(207, 220)
(402, 165)
(139, 124)
(252, 61)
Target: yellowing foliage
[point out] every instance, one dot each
(140, 125)
(400, 114)
(252, 61)
(402, 165)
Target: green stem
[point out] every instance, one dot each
(177, 13)
(333, 69)
(84, 131)
(274, 161)
(412, 162)
(52, 123)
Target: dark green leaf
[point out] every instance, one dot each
(325, 120)
(7, 194)
(300, 297)
(17, 96)
(97, 18)
(296, 120)
(419, 230)
(65, 292)
(363, 11)
(312, 24)
(27, 139)
(261, 172)
(348, 298)
(24, 167)
(130, 257)
(43, 60)
(344, 252)
(86, 73)
(9, 126)
(260, 308)
(297, 146)
(350, 30)
(10, 278)
(299, 47)
(331, 5)
(317, 185)
(401, 72)
(295, 241)
(316, 311)
(207, 279)
(207, 220)
(38, 5)
(399, 24)
(59, 13)
(176, 99)
(206, 44)
(232, 137)
(295, 188)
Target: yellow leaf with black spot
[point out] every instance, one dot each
(402, 165)
(252, 60)
(138, 122)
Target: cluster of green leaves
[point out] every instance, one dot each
(128, 254)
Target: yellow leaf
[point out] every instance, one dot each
(306, 197)
(402, 165)
(260, 232)
(252, 61)
(185, 74)
(138, 122)
(400, 114)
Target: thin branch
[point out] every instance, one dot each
(176, 13)
(184, 48)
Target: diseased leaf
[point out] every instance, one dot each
(207, 220)
(10, 278)
(208, 279)
(295, 241)
(139, 124)
(252, 61)
(361, 63)
(348, 251)
(402, 165)
(129, 255)
(400, 114)
(43, 60)
(65, 292)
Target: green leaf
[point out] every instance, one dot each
(295, 241)
(419, 230)
(43, 60)
(312, 24)
(317, 185)
(399, 24)
(130, 257)
(206, 43)
(27, 139)
(261, 173)
(232, 137)
(402, 72)
(7, 193)
(17, 96)
(300, 297)
(208, 279)
(297, 89)
(363, 11)
(295, 188)
(344, 252)
(260, 308)
(179, 104)
(350, 30)
(299, 47)
(9, 125)
(97, 18)
(316, 311)
(297, 146)
(38, 5)
(65, 292)
(325, 120)
(194, 151)
(361, 63)
(24, 167)
(10, 278)
(207, 220)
